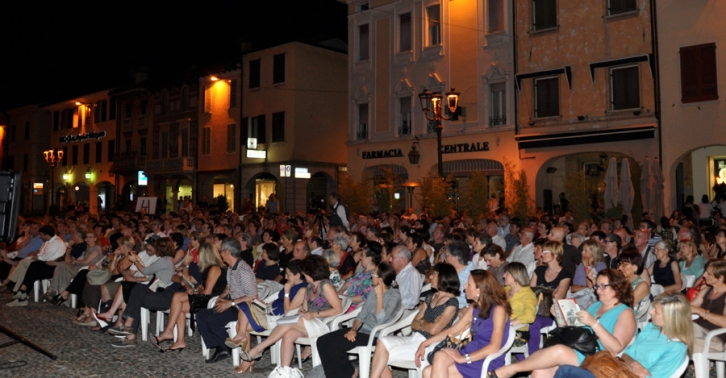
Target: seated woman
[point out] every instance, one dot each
(710, 305)
(521, 299)
(692, 263)
(420, 259)
(718, 249)
(358, 244)
(611, 319)
(333, 261)
(488, 316)
(214, 281)
(380, 307)
(481, 241)
(359, 286)
(660, 348)
(253, 318)
(631, 265)
(269, 268)
(552, 274)
(437, 313)
(592, 263)
(665, 269)
(66, 271)
(496, 261)
(321, 301)
(179, 254)
(339, 245)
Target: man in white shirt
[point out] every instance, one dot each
(492, 230)
(503, 229)
(409, 280)
(524, 251)
(315, 245)
(39, 267)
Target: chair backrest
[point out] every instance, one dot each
(269, 298)
(687, 280)
(339, 319)
(504, 349)
(212, 301)
(263, 291)
(426, 287)
(346, 302)
(656, 290)
(406, 318)
(682, 368)
(377, 329)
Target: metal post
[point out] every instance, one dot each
(439, 128)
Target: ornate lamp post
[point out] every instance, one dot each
(431, 106)
(52, 157)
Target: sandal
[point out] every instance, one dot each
(245, 356)
(249, 369)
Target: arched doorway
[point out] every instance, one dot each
(318, 188)
(699, 172)
(586, 172)
(260, 186)
(106, 196)
(185, 189)
(388, 193)
(223, 186)
(82, 195)
(61, 199)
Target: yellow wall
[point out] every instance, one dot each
(463, 54)
(218, 118)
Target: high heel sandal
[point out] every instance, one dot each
(249, 369)
(230, 343)
(58, 300)
(245, 356)
(172, 350)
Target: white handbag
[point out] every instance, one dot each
(286, 372)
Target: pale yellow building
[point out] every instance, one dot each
(691, 35)
(398, 49)
(294, 113)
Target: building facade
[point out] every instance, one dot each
(400, 48)
(691, 37)
(294, 128)
(586, 91)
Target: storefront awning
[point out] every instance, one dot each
(585, 137)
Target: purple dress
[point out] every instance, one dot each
(481, 330)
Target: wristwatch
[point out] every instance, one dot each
(468, 360)
(232, 302)
(287, 295)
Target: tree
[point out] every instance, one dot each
(357, 196)
(476, 195)
(516, 192)
(434, 195)
(385, 187)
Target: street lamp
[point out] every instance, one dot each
(52, 157)
(431, 106)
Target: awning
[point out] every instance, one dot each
(622, 61)
(585, 137)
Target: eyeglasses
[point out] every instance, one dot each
(598, 287)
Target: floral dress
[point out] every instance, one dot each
(359, 285)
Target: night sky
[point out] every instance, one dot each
(58, 50)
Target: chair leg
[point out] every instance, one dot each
(364, 363)
(175, 333)
(74, 298)
(720, 369)
(700, 365)
(144, 321)
(159, 322)
(36, 291)
(299, 355)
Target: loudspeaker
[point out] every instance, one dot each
(9, 204)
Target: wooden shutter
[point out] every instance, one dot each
(708, 78)
(699, 76)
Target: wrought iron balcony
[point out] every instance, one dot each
(497, 121)
(362, 131)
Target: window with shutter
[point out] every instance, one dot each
(255, 73)
(405, 40)
(278, 68)
(206, 140)
(261, 129)
(363, 42)
(86, 153)
(624, 88)
(99, 152)
(621, 6)
(544, 14)
(547, 97)
(56, 120)
(433, 19)
(74, 157)
(496, 15)
(233, 94)
(111, 149)
(207, 99)
(278, 127)
(699, 76)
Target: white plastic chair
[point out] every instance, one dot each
(366, 352)
(701, 360)
(524, 349)
(232, 332)
(682, 368)
(656, 290)
(205, 350)
(687, 281)
(36, 288)
(346, 302)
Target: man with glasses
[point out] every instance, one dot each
(409, 280)
(612, 246)
(241, 287)
(457, 254)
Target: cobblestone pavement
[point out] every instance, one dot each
(83, 353)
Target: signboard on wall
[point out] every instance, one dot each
(251, 143)
(256, 154)
(285, 170)
(142, 180)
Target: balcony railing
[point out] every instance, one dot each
(127, 162)
(405, 127)
(497, 121)
(184, 164)
(362, 131)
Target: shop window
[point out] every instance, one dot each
(404, 127)
(278, 127)
(544, 15)
(405, 32)
(624, 88)
(206, 141)
(433, 25)
(699, 79)
(362, 132)
(278, 68)
(231, 138)
(621, 6)
(363, 42)
(496, 15)
(498, 104)
(546, 97)
(254, 73)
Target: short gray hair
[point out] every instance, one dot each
(341, 239)
(233, 246)
(402, 251)
(332, 257)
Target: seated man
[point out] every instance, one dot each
(37, 267)
(409, 280)
(29, 245)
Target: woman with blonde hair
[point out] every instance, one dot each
(552, 274)
(692, 263)
(593, 261)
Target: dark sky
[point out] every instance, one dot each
(54, 50)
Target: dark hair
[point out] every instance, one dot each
(373, 250)
(47, 230)
(651, 225)
(164, 247)
(360, 237)
(424, 234)
(631, 255)
(316, 267)
(621, 286)
(600, 235)
(177, 238)
(386, 273)
(719, 268)
(547, 225)
(704, 198)
(317, 240)
(615, 238)
(273, 251)
(405, 230)
(273, 235)
(460, 250)
(448, 279)
(416, 240)
(491, 293)
(493, 250)
(220, 236)
(294, 267)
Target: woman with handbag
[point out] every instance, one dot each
(437, 313)
(487, 322)
(214, 280)
(631, 265)
(658, 351)
(321, 301)
(380, 307)
(611, 319)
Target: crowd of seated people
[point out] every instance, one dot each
(483, 272)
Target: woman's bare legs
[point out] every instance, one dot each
(105, 295)
(242, 325)
(179, 302)
(379, 367)
(118, 300)
(181, 324)
(543, 363)
(284, 332)
(443, 367)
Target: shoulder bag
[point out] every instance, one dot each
(582, 339)
(605, 365)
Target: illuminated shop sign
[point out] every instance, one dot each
(382, 154)
(464, 147)
(82, 137)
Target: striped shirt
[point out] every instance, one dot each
(241, 281)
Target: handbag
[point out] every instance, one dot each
(286, 372)
(197, 302)
(98, 277)
(692, 292)
(605, 365)
(581, 339)
(454, 340)
(544, 300)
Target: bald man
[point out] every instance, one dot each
(571, 257)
